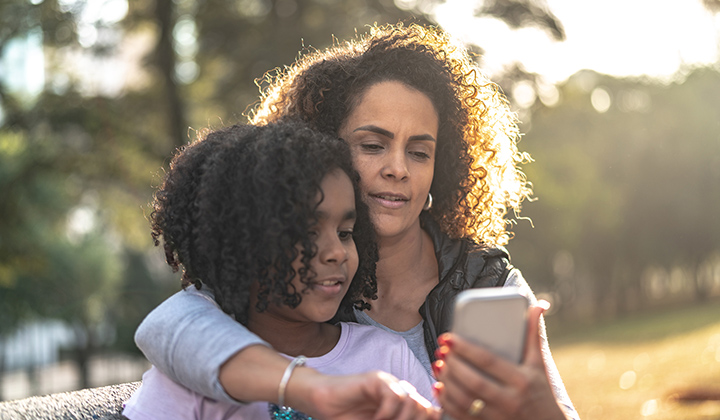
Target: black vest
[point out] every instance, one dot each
(462, 264)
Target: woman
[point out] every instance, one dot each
(434, 143)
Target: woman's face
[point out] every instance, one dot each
(392, 133)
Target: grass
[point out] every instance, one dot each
(632, 368)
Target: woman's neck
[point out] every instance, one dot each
(294, 338)
(406, 272)
(404, 256)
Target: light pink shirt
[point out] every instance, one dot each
(361, 348)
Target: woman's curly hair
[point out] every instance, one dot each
(236, 203)
(477, 176)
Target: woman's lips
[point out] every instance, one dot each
(389, 200)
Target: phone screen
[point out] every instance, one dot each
(495, 318)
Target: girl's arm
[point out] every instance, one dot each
(192, 341)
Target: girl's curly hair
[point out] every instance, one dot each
(235, 204)
(477, 175)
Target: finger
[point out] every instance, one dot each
(533, 346)
(416, 405)
(391, 395)
(464, 383)
(411, 409)
(482, 359)
(449, 405)
(456, 410)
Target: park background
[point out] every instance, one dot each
(619, 104)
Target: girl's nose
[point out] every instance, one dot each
(332, 250)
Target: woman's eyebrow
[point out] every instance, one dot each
(388, 134)
(423, 137)
(375, 129)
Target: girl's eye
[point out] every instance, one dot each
(345, 235)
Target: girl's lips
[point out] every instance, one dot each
(389, 200)
(329, 286)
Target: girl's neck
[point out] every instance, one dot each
(294, 338)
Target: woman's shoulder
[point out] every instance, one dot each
(452, 249)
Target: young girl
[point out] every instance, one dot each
(266, 220)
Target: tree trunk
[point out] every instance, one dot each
(82, 353)
(2, 366)
(701, 289)
(165, 56)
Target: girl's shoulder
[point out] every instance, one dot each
(369, 335)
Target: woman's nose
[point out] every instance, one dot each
(395, 165)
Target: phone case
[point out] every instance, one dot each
(495, 318)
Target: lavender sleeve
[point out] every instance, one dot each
(188, 338)
(515, 279)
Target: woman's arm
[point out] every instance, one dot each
(516, 279)
(189, 338)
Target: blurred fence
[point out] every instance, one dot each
(33, 363)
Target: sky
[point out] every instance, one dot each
(616, 37)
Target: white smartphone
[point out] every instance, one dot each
(495, 318)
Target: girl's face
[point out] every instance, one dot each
(392, 133)
(336, 261)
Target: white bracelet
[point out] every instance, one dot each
(298, 361)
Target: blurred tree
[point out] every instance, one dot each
(523, 13)
(712, 5)
(213, 51)
(627, 176)
(73, 175)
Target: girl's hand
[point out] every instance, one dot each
(373, 395)
(476, 384)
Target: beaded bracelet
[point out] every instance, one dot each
(298, 361)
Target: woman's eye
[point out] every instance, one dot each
(420, 155)
(371, 147)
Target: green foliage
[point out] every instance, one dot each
(77, 149)
(634, 187)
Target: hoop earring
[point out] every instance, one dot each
(428, 203)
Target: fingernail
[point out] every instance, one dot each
(444, 340)
(437, 388)
(437, 367)
(543, 304)
(441, 352)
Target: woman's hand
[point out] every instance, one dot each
(476, 384)
(373, 395)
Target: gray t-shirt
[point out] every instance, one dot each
(415, 337)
